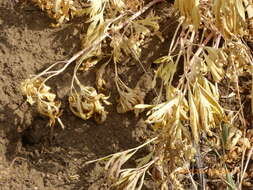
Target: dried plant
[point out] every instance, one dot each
(60, 10)
(129, 179)
(194, 102)
(129, 98)
(208, 45)
(230, 17)
(38, 93)
(86, 102)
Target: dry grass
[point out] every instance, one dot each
(191, 124)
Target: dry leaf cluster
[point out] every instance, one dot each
(192, 126)
(60, 10)
(88, 103)
(38, 93)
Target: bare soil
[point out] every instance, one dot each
(32, 157)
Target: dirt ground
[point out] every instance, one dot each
(31, 157)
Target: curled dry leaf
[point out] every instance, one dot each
(38, 93)
(129, 42)
(60, 10)
(88, 103)
(129, 98)
(124, 46)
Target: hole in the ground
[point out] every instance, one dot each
(28, 138)
(34, 134)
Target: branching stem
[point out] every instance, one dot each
(96, 43)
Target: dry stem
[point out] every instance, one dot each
(96, 43)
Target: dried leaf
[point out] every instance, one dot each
(194, 117)
(38, 93)
(87, 103)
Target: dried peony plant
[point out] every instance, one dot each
(88, 103)
(60, 10)
(38, 93)
(208, 46)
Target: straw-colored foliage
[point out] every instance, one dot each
(190, 122)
